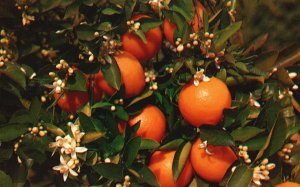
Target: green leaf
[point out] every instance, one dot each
(111, 73)
(12, 71)
(148, 24)
(223, 35)
(185, 8)
(141, 35)
(72, 11)
(180, 158)
(275, 140)
(243, 134)
(205, 21)
(241, 177)
(145, 174)
(77, 82)
(5, 154)
(104, 105)
(144, 95)
(131, 149)
(149, 144)
(29, 49)
(110, 171)
(121, 113)
(242, 67)
(54, 129)
(91, 137)
(256, 144)
(129, 7)
(10, 132)
(85, 32)
(5, 180)
(110, 11)
(118, 143)
(47, 5)
(172, 145)
(35, 109)
(215, 136)
(104, 26)
(266, 61)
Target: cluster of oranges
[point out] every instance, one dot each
(199, 103)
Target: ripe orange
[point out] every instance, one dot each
(152, 123)
(71, 100)
(161, 165)
(204, 104)
(142, 51)
(211, 167)
(132, 75)
(288, 184)
(170, 28)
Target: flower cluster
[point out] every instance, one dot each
(286, 151)
(69, 147)
(243, 153)
(262, 171)
(200, 76)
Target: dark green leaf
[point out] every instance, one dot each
(223, 35)
(104, 105)
(12, 131)
(180, 158)
(289, 56)
(54, 129)
(131, 149)
(91, 137)
(256, 144)
(72, 11)
(112, 73)
(12, 71)
(85, 32)
(110, 11)
(241, 177)
(5, 180)
(118, 143)
(5, 154)
(185, 8)
(104, 26)
(243, 134)
(35, 109)
(145, 174)
(141, 35)
(172, 145)
(215, 136)
(77, 81)
(148, 24)
(149, 144)
(121, 113)
(110, 170)
(141, 97)
(129, 7)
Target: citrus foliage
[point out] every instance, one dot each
(72, 95)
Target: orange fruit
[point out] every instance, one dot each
(132, 75)
(204, 104)
(142, 51)
(288, 184)
(161, 165)
(211, 167)
(152, 123)
(70, 101)
(170, 28)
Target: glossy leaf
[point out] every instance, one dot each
(145, 174)
(91, 137)
(131, 149)
(5, 180)
(141, 97)
(112, 73)
(12, 71)
(185, 8)
(180, 158)
(243, 134)
(12, 131)
(223, 35)
(215, 136)
(110, 170)
(241, 177)
(172, 145)
(149, 144)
